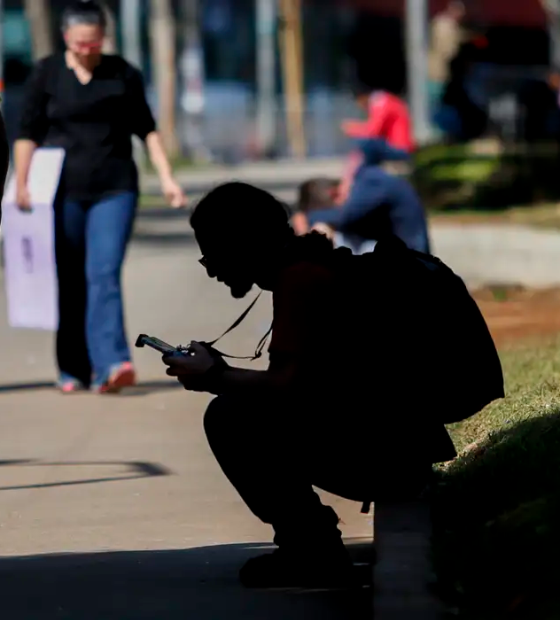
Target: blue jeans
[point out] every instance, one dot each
(91, 241)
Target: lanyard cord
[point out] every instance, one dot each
(262, 341)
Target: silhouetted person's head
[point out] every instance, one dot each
(241, 231)
(318, 193)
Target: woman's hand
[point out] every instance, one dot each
(173, 193)
(23, 198)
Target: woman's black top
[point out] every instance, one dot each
(93, 122)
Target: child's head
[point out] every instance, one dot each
(320, 193)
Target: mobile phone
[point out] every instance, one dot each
(155, 343)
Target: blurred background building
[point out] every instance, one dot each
(227, 54)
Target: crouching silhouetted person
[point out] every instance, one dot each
(347, 403)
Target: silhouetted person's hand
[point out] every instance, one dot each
(197, 363)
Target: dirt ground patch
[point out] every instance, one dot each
(515, 314)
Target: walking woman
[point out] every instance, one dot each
(91, 104)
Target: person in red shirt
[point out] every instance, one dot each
(306, 420)
(388, 119)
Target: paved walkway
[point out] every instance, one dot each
(131, 478)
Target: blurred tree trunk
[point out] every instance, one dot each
(292, 64)
(38, 13)
(192, 74)
(110, 45)
(164, 64)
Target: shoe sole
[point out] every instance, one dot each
(122, 379)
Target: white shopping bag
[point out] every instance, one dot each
(29, 251)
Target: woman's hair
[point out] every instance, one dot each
(81, 12)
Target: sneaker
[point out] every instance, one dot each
(70, 386)
(122, 376)
(291, 569)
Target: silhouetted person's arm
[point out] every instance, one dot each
(192, 372)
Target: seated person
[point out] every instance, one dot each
(380, 204)
(388, 118)
(311, 418)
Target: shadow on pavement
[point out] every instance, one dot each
(24, 387)
(191, 584)
(127, 470)
(142, 389)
